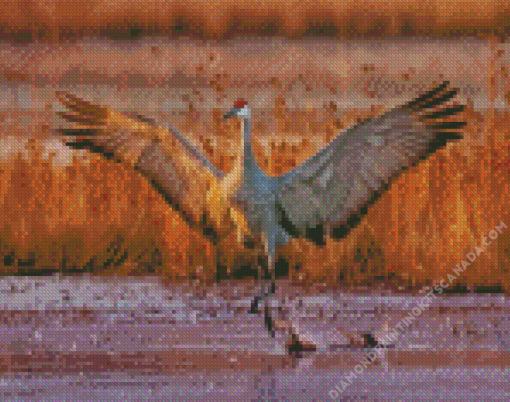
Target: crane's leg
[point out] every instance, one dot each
(268, 289)
(296, 343)
(268, 286)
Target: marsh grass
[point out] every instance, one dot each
(74, 212)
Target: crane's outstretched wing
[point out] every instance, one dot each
(171, 163)
(329, 193)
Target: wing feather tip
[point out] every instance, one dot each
(427, 95)
(441, 140)
(435, 97)
(81, 106)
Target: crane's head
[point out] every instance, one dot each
(240, 109)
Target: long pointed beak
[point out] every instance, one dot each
(229, 114)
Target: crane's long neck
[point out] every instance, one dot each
(245, 166)
(249, 163)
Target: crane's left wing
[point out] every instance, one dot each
(328, 194)
(171, 163)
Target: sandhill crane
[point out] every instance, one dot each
(323, 197)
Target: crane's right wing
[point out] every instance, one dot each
(171, 163)
(328, 194)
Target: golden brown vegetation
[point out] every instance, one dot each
(64, 19)
(96, 215)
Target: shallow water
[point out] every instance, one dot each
(72, 338)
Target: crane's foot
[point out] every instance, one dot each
(369, 341)
(296, 345)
